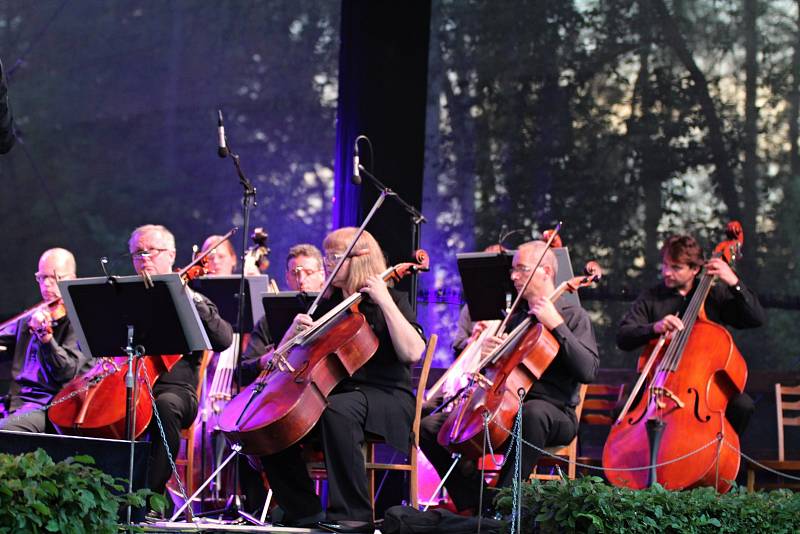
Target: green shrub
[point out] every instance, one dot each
(39, 495)
(590, 505)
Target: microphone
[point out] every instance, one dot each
(222, 151)
(356, 178)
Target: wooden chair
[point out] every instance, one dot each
(568, 452)
(317, 467)
(782, 407)
(598, 412)
(411, 466)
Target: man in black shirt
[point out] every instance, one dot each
(658, 309)
(549, 408)
(44, 349)
(152, 249)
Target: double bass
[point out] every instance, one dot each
(688, 380)
(288, 397)
(511, 368)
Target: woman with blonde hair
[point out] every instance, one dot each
(376, 400)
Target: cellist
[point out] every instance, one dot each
(43, 348)
(377, 399)
(548, 417)
(658, 309)
(152, 249)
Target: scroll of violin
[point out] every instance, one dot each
(687, 381)
(287, 399)
(514, 365)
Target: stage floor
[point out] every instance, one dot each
(169, 527)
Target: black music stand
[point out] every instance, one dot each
(487, 286)
(117, 315)
(224, 292)
(488, 289)
(281, 308)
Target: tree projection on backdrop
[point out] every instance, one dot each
(629, 120)
(116, 104)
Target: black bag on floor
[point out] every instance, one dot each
(407, 520)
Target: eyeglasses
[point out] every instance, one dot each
(332, 259)
(139, 255)
(41, 277)
(297, 271)
(520, 269)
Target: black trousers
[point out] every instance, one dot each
(543, 425)
(341, 429)
(177, 408)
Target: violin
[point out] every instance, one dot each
(54, 308)
(93, 404)
(44, 317)
(687, 379)
(288, 398)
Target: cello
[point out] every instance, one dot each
(288, 397)
(513, 367)
(94, 404)
(690, 378)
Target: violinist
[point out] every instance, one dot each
(548, 417)
(304, 272)
(377, 399)
(152, 249)
(658, 309)
(44, 349)
(222, 260)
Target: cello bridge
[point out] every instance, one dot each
(662, 392)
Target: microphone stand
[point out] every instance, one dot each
(417, 218)
(233, 506)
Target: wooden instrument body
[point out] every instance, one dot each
(710, 373)
(291, 403)
(526, 362)
(99, 409)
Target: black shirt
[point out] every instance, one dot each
(575, 363)
(184, 374)
(728, 305)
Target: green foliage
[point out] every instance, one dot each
(39, 495)
(590, 505)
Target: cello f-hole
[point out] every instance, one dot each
(707, 418)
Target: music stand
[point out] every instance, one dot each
(488, 289)
(119, 314)
(280, 309)
(487, 286)
(224, 292)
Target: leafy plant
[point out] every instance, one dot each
(40, 495)
(590, 505)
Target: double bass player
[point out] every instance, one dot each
(658, 309)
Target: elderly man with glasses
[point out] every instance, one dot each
(44, 349)
(152, 249)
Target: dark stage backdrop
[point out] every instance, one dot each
(116, 105)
